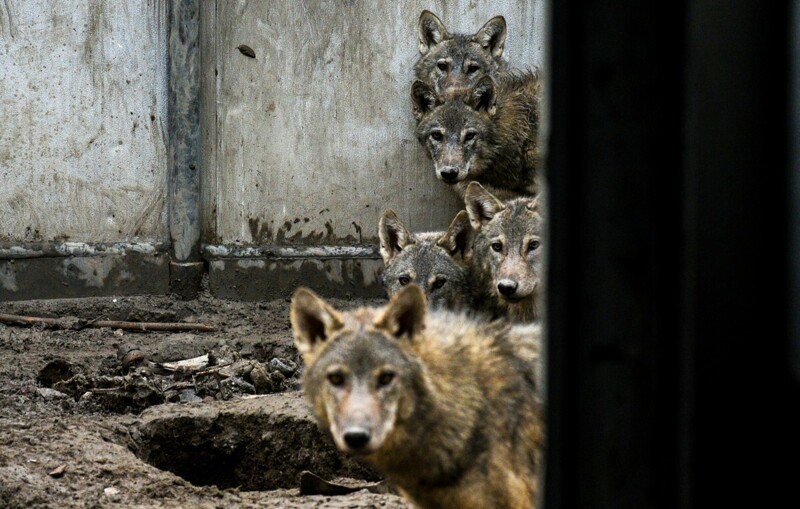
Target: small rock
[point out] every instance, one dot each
(86, 396)
(246, 50)
(111, 491)
(286, 367)
(188, 396)
(50, 393)
(130, 356)
(58, 471)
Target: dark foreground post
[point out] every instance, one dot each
(670, 356)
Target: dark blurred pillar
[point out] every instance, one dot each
(669, 347)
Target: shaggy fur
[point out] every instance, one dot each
(445, 407)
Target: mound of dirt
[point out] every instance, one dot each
(104, 417)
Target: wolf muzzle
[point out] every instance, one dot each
(356, 437)
(449, 174)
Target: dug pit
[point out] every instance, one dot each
(254, 443)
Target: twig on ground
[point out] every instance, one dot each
(72, 324)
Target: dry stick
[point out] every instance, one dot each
(60, 323)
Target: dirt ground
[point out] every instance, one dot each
(102, 417)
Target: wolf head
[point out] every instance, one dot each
(434, 261)
(455, 61)
(359, 376)
(458, 134)
(507, 248)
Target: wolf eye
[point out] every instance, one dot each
(469, 136)
(385, 378)
(533, 245)
(404, 280)
(439, 283)
(336, 379)
(472, 68)
(442, 65)
(497, 246)
(437, 135)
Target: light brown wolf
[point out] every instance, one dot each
(489, 133)
(436, 261)
(507, 260)
(451, 62)
(445, 407)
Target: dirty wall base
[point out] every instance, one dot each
(250, 273)
(83, 276)
(266, 279)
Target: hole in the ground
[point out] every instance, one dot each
(261, 443)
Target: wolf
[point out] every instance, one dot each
(436, 261)
(507, 258)
(443, 406)
(488, 133)
(450, 62)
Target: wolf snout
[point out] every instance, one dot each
(449, 174)
(507, 287)
(356, 437)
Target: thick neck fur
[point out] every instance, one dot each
(452, 391)
(524, 311)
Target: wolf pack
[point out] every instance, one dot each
(441, 389)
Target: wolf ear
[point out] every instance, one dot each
(313, 322)
(458, 237)
(483, 96)
(423, 99)
(492, 36)
(534, 205)
(404, 316)
(431, 31)
(393, 234)
(481, 205)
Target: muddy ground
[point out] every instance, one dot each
(101, 417)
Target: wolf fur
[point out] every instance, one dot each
(488, 134)
(506, 265)
(443, 406)
(454, 62)
(433, 260)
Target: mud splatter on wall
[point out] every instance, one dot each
(310, 138)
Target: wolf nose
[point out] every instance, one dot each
(356, 438)
(449, 174)
(507, 287)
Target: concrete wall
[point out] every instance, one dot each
(83, 148)
(83, 107)
(303, 146)
(308, 142)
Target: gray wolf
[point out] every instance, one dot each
(507, 259)
(488, 133)
(433, 260)
(450, 62)
(442, 405)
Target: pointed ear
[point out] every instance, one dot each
(481, 205)
(431, 31)
(534, 205)
(313, 322)
(393, 234)
(423, 99)
(459, 235)
(492, 36)
(404, 316)
(483, 96)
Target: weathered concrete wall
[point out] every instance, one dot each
(308, 142)
(83, 104)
